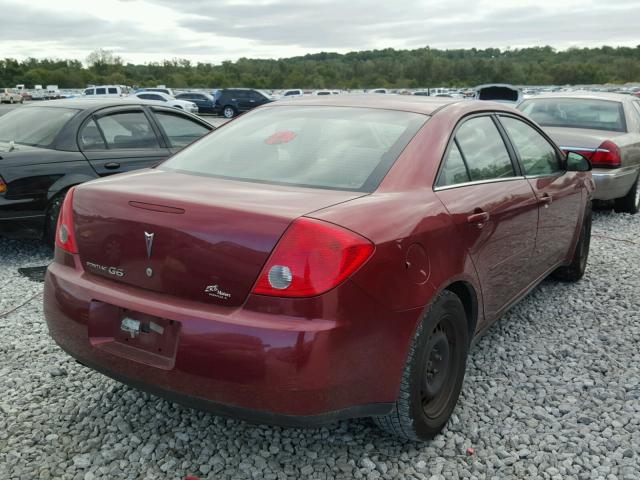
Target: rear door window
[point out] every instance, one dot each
(454, 169)
(113, 90)
(483, 150)
(537, 155)
(127, 130)
(91, 138)
(179, 130)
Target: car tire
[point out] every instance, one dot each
(630, 203)
(428, 394)
(51, 219)
(228, 112)
(575, 270)
(11, 100)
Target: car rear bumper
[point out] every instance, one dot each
(613, 183)
(294, 367)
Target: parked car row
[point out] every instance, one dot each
(321, 258)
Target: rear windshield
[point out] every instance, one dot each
(576, 113)
(324, 147)
(35, 126)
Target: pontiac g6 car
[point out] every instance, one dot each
(318, 259)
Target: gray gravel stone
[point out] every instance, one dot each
(551, 391)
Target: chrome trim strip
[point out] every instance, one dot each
(582, 149)
(477, 182)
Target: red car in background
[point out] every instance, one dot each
(319, 259)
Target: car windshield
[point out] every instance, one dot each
(576, 113)
(34, 126)
(324, 147)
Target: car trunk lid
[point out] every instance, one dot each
(580, 138)
(190, 236)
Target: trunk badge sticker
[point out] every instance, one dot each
(149, 272)
(215, 291)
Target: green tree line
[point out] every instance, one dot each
(422, 67)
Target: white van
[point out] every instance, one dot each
(106, 91)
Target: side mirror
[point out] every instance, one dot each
(576, 162)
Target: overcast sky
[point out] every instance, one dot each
(141, 31)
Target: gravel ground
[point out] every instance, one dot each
(552, 391)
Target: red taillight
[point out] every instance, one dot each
(311, 258)
(606, 155)
(65, 236)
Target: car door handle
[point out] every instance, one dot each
(546, 200)
(112, 165)
(479, 219)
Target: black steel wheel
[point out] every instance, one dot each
(433, 374)
(575, 270)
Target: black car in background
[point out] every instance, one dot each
(48, 147)
(232, 101)
(205, 102)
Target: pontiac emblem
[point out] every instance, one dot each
(148, 237)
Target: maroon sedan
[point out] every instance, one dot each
(319, 259)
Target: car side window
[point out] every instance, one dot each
(127, 130)
(91, 138)
(113, 91)
(537, 155)
(453, 170)
(180, 131)
(152, 96)
(101, 91)
(483, 150)
(88, 91)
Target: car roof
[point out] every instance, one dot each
(86, 103)
(406, 103)
(618, 97)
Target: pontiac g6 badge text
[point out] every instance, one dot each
(118, 272)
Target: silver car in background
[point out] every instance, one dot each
(604, 127)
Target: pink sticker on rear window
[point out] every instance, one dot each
(280, 137)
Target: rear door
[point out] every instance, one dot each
(493, 207)
(258, 99)
(244, 100)
(559, 193)
(121, 139)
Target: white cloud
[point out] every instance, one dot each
(152, 30)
